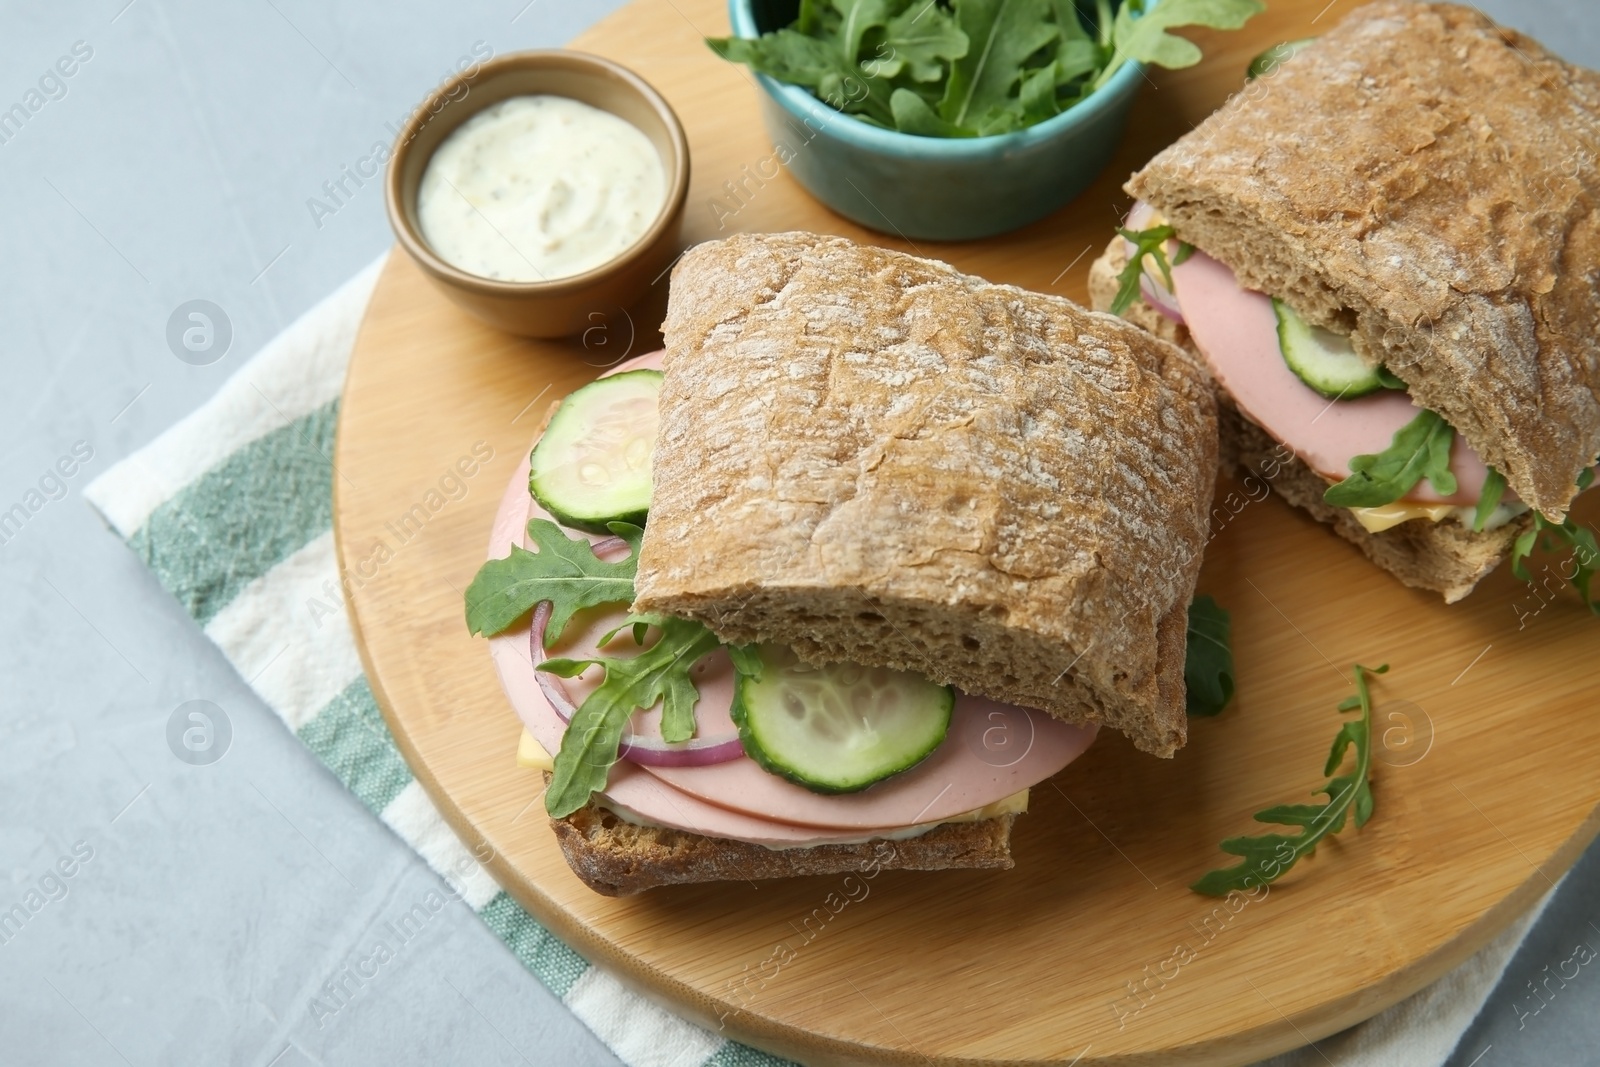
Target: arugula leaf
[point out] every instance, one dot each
(1001, 35)
(856, 18)
(919, 42)
(1040, 96)
(639, 624)
(912, 114)
(1420, 449)
(565, 571)
(810, 18)
(1038, 99)
(746, 658)
(1068, 22)
(975, 67)
(1208, 664)
(1153, 243)
(998, 120)
(1389, 379)
(1142, 35)
(1494, 487)
(1104, 24)
(812, 63)
(1268, 856)
(1578, 542)
(659, 673)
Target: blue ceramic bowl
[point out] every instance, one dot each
(935, 188)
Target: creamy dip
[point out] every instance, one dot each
(539, 187)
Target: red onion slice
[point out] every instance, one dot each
(1156, 295)
(646, 749)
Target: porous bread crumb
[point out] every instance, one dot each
(618, 858)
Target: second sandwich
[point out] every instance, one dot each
(1385, 251)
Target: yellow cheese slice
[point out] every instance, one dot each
(1015, 804)
(1379, 519)
(532, 755)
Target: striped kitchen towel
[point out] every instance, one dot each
(232, 509)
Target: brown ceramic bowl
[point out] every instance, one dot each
(559, 306)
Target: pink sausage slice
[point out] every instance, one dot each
(992, 751)
(629, 784)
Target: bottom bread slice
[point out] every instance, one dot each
(1446, 557)
(617, 858)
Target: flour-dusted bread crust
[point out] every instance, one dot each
(1430, 183)
(618, 858)
(874, 458)
(1445, 557)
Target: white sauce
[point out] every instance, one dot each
(539, 187)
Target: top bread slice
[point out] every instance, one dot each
(1429, 183)
(874, 458)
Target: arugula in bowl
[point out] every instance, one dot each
(971, 68)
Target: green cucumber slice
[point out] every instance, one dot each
(1324, 360)
(839, 728)
(1268, 62)
(592, 466)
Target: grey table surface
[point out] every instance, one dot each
(176, 163)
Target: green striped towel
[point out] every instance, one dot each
(232, 509)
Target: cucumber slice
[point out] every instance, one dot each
(839, 728)
(1324, 360)
(1269, 61)
(592, 466)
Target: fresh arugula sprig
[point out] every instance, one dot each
(659, 673)
(794, 57)
(1268, 856)
(1152, 243)
(969, 68)
(1208, 662)
(1568, 536)
(1494, 487)
(564, 571)
(1420, 449)
(1389, 379)
(1141, 34)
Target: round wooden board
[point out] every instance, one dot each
(1079, 950)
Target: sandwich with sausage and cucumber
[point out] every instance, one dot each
(1386, 250)
(870, 549)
